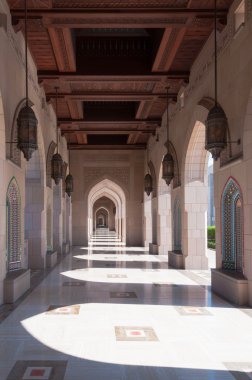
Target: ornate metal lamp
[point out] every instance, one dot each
(57, 162)
(26, 120)
(168, 162)
(69, 180)
(148, 187)
(216, 123)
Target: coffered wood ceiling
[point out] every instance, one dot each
(112, 61)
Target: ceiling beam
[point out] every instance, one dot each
(170, 43)
(76, 77)
(62, 43)
(133, 96)
(107, 131)
(83, 13)
(75, 108)
(108, 122)
(73, 146)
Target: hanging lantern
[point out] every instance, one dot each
(168, 168)
(148, 184)
(57, 168)
(216, 131)
(26, 121)
(69, 184)
(216, 123)
(27, 131)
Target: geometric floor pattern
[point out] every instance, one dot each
(137, 320)
(133, 333)
(38, 370)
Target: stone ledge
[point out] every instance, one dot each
(176, 259)
(16, 284)
(232, 286)
(51, 258)
(153, 249)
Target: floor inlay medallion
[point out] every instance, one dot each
(63, 310)
(123, 295)
(192, 311)
(38, 370)
(135, 333)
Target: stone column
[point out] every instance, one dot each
(194, 225)
(57, 218)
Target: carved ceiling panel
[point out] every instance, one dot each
(119, 55)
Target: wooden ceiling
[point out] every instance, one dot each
(112, 61)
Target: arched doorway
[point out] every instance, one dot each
(196, 200)
(104, 208)
(110, 190)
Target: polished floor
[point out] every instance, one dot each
(108, 312)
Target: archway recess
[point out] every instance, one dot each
(195, 200)
(109, 189)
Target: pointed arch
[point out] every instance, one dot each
(115, 193)
(13, 233)
(50, 153)
(154, 179)
(232, 226)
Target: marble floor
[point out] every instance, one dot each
(108, 312)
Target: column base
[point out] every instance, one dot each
(176, 259)
(153, 249)
(16, 284)
(51, 258)
(232, 286)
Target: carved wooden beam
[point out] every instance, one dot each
(110, 96)
(109, 131)
(170, 43)
(62, 43)
(75, 108)
(77, 77)
(72, 146)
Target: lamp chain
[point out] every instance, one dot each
(167, 121)
(215, 53)
(26, 57)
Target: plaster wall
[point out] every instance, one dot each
(34, 194)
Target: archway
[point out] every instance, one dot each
(101, 217)
(196, 199)
(109, 189)
(104, 207)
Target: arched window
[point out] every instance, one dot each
(232, 227)
(13, 227)
(176, 226)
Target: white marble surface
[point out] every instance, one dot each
(193, 347)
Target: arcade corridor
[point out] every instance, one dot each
(118, 313)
